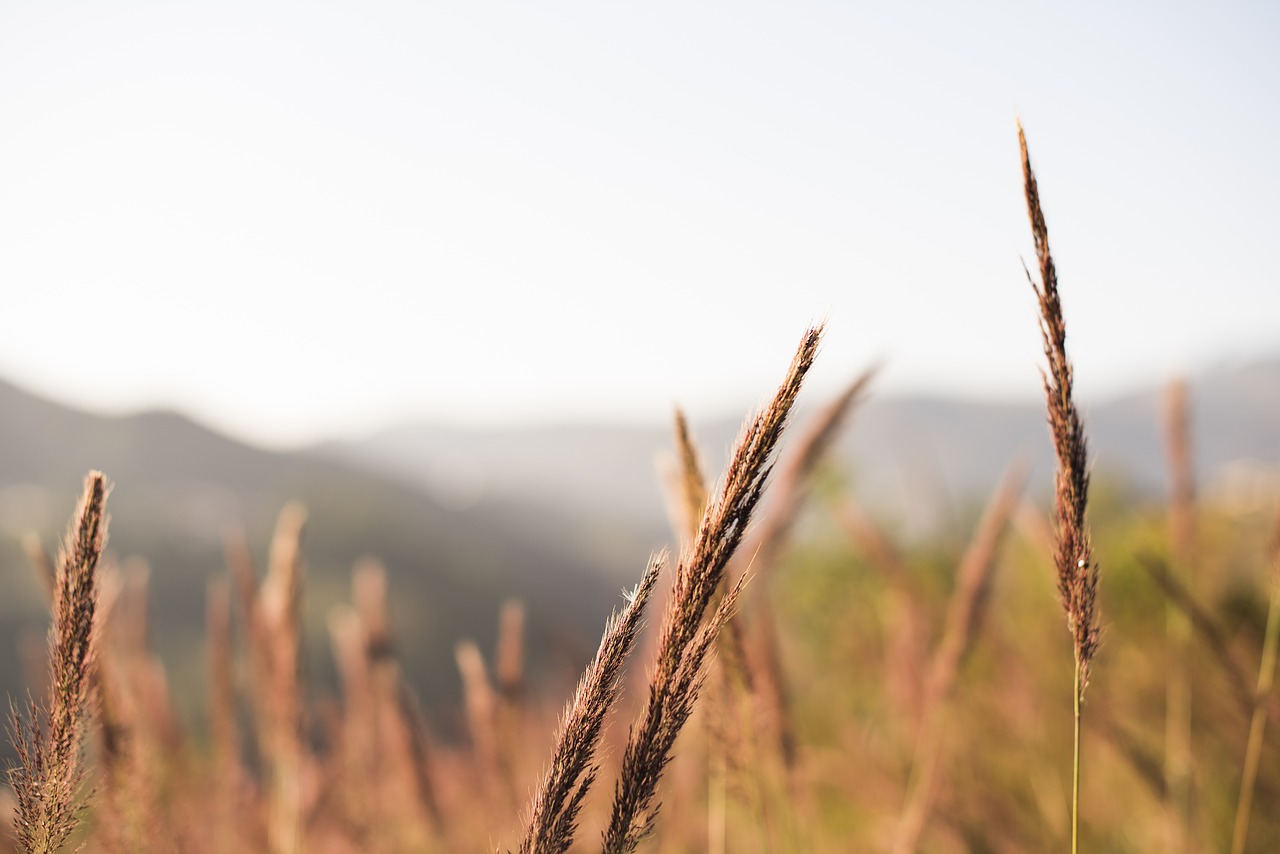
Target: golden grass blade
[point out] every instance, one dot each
(1258, 723)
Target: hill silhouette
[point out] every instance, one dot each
(179, 487)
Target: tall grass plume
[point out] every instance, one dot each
(685, 639)
(1073, 556)
(49, 742)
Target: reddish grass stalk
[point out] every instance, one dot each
(965, 612)
(510, 653)
(482, 714)
(358, 730)
(49, 744)
(967, 607)
(222, 714)
(685, 639)
(244, 580)
(553, 813)
(400, 740)
(385, 787)
(1073, 557)
(277, 641)
(123, 796)
(369, 594)
(509, 676)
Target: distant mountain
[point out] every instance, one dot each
(179, 486)
(913, 457)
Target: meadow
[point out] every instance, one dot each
(1090, 673)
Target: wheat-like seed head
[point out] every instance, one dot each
(553, 814)
(686, 638)
(48, 742)
(1077, 571)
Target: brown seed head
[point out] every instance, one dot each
(1077, 571)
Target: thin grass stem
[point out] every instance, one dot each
(1258, 724)
(1078, 689)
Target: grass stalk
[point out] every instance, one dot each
(686, 639)
(49, 743)
(1078, 692)
(965, 612)
(1073, 554)
(692, 479)
(790, 491)
(553, 813)
(1178, 701)
(692, 498)
(795, 474)
(510, 654)
(1258, 722)
(384, 763)
(481, 703)
(906, 644)
(277, 639)
(222, 714)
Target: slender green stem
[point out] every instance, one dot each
(1075, 771)
(1257, 727)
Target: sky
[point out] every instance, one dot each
(295, 221)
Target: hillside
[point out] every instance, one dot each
(179, 487)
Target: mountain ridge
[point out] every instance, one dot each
(900, 450)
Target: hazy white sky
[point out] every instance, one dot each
(296, 220)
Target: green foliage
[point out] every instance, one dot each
(1004, 779)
